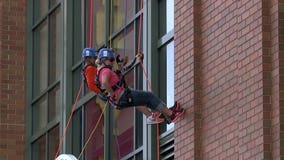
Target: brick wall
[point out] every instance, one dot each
(228, 76)
(12, 78)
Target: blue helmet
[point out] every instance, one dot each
(89, 52)
(106, 53)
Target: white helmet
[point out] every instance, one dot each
(66, 157)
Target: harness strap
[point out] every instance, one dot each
(120, 83)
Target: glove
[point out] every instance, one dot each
(112, 97)
(140, 55)
(105, 93)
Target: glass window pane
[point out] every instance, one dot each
(53, 2)
(77, 132)
(123, 132)
(76, 82)
(53, 140)
(54, 103)
(124, 43)
(170, 15)
(170, 78)
(56, 45)
(130, 10)
(40, 9)
(166, 71)
(39, 114)
(119, 12)
(124, 120)
(166, 16)
(77, 32)
(39, 149)
(99, 28)
(138, 129)
(41, 58)
(95, 148)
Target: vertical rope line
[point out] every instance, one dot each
(91, 24)
(82, 83)
(110, 25)
(69, 120)
(92, 133)
(146, 75)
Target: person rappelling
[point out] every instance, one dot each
(121, 96)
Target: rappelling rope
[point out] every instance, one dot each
(81, 86)
(69, 120)
(93, 131)
(146, 75)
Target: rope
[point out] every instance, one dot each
(81, 86)
(91, 24)
(146, 76)
(110, 25)
(92, 133)
(69, 120)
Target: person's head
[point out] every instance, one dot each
(106, 57)
(89, 55)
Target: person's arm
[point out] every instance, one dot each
(90, 74)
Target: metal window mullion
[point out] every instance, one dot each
(43, 130)
(83, 129)
(49, 12)
(46, 144)
(42, 94)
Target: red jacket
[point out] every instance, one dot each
(90, 73)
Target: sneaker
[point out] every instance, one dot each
(176, 115)
(175, 108)
(154, 119)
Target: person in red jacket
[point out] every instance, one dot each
(89, 56)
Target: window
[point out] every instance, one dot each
(46, 25)
(166, 52)
(114, 24)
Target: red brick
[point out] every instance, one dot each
(12, 72)
(237, 64)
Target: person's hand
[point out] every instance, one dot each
(105, 93)
(140, 55)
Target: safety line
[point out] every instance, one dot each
(69, 120)
(91, 24)
(110, 25)
(93, 131)
(147, 77)
(82, 83)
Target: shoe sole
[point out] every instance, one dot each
(156, 122)
(178, 116)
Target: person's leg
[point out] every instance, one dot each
(144, 110)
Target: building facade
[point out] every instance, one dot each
(220, 59)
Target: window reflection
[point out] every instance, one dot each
(93, 111)
(40, 9)
(39, 114)
(124, 119)
(77, 125)
(53, 139)
(39, 149)
(123, 12)
(41, 56)
(99, 28)
(166, 16)
(56, 48)
(54, 103)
